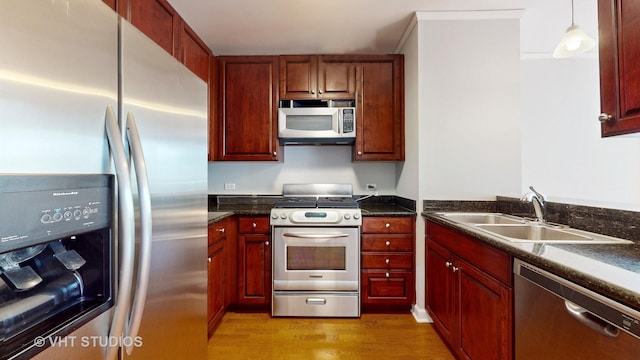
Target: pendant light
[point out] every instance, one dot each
(574, 42)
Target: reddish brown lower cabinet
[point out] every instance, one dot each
(388, 264)
(254, 263)
(469, 294)
(221, 269)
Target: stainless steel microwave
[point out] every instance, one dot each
(328, 125)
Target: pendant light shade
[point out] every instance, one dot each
(574, 42)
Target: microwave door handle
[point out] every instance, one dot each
(126, 233)
(144, 257)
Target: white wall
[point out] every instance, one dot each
(461, 112)
(302, 164)
(563, 155)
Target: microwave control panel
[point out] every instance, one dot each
(348, 120)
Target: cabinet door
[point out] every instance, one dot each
(439, 296)
(156, 19)
(336, 78)
(248, 122)
(619, 25)
(387, 290)
(216, 296)
(380, 111)
(298, 77)
(254, 276)
(485, 315)
(194, 53)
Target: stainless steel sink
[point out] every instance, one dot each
(534, 232)
(483, 218)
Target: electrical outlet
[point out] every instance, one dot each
(229, 186)
(372, 187)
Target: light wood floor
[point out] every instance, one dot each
(373, 336)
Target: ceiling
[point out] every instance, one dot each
(273, 27)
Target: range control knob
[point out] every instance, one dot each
(274, 215)
(356, 216)
(283, 216)
(347, 216)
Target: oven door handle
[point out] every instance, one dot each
(315, 236)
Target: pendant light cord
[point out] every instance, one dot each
(572, 14)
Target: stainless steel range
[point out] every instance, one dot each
(316, 251)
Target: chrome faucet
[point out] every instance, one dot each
(538, 201)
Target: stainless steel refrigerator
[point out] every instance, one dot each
(66, 68)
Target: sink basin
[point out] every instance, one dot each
(483, 218)
(548, 234)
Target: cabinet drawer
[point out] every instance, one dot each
(387, 225)
(254, 225)
(387, 242)
(387, 261)
(216, 232)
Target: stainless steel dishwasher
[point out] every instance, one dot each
(557, 319)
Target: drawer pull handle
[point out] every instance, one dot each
(254, 225)
(388, 243)
(387, 261)
(316, 301)
(209, 259)
(387, 225)
(221, 230)
(387, 274)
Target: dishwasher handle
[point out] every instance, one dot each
(591, 321)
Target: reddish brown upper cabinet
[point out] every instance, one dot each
(469, 294)
(619, 24)
(193, 53)
(157, 19)
(380, 109)
(248, 108)
(309, 77)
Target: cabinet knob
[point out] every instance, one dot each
(447, 264)
(319, 91)
(604, 117)
(388, 243)
(359, 153)
(455, 269)
(386, 274)
(221, 230)
(266, 243)
(387, 225)
(254, 225)
(209, 259)
(387, 261)
(313, 91)
(275, 153)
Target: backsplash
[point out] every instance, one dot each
(612, 222)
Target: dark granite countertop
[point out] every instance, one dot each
(261, 205)
(612, 270)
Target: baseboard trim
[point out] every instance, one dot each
(420, 314)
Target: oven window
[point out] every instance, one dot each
(316, 258)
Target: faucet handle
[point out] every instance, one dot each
(539, 195)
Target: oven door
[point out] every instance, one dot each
(316, 258)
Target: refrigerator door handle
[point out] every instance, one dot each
(144, 256)
(126, 233)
